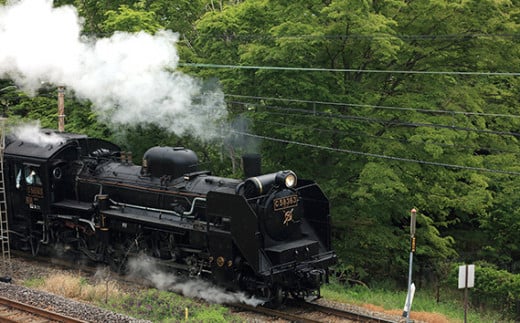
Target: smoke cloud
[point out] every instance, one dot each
(130, 78)
(31, 132)
(146, 268)
(239, 139)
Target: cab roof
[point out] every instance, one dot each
(51, 142)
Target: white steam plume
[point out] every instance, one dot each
(31, 132)
(146, 268)
(130, 77)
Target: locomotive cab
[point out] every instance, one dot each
(39, 174)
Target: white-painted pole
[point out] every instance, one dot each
(409, 296)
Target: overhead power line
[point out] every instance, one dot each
(408, 160)
(382, 107)
(342, 37)
(313, 69)
(314, 114)
(388, 139)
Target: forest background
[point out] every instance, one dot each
(388, 104)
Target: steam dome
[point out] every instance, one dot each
(172, 161)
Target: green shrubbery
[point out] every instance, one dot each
(494, 290)
(426, 308)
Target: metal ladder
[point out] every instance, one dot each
(4, 227)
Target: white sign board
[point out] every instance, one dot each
(466, 276)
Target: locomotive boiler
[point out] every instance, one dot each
(266, 234)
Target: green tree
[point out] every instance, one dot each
(131, 20)
(400, 139)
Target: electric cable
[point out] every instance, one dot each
(358, 105)
(401, 159)
(353, 70)
(404, 141)
(313, 114)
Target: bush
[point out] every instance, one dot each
(494, 289)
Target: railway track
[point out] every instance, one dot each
(13, 311)
(343, 314)
(295, 311)
(300, 311)
(274, 313)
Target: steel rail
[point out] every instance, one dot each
(346, 314)
(274, 313)
(37, 311)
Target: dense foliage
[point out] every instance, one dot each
(388, 104)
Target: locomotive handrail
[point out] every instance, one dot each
(299, 188)
(190, 212)
(71, 217)
(145, 208)
(148, 189)
(45, 234)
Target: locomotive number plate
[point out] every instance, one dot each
(285, 202)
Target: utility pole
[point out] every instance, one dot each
(61, 108)
(411, 287)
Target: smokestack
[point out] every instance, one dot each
(252, 164)
(61, 108)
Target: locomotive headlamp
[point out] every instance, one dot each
(286, 178)
(290, 180)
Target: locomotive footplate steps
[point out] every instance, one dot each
(322, 260)
(292, 251)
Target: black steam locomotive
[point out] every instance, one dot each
(268, 234)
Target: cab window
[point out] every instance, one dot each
(30, 175)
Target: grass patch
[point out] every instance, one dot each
(162, 306)
(150, 304)
(424, 307)
(34, 282)
(75, 287)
